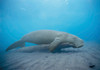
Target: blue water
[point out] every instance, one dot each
(78, 17)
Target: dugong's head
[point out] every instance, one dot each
(75, 41)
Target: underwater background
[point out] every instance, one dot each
(78, 17)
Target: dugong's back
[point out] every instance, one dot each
(41, 36)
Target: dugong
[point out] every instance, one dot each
(51, 37)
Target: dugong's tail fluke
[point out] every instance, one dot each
(16, 44)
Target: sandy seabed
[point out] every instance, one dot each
(39, 58)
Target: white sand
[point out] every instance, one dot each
(39, 58)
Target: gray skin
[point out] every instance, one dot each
(54, 38)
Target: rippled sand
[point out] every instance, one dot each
(39, 58)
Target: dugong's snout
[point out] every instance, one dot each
(79, 44)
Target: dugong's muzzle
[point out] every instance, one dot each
(79, 44)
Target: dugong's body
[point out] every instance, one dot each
(54, 38)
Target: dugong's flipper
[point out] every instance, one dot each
(58, 40)
(16, 44)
